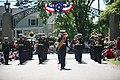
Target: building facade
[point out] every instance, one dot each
(29, 23)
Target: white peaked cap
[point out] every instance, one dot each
(5, 37)
(79, 34)
(20, 34)
(62, 30)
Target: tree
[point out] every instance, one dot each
(78, 20)
(108, 1)
(81, 14)
(113, 8)
(42, 13)
(67, 23)
(81, 17)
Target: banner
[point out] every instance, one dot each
(59, 6)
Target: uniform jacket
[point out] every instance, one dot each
(6, 46)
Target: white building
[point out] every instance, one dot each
(29, 23)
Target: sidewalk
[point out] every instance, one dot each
(89, 70)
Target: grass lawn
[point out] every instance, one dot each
(114, 62)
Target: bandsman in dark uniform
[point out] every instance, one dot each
(79, 46)
(31, 49)
(21, 48)
(6, 47)
(40, 49)
(61, 48)
(46, 46)
(27, 48)
(99, 46)
(91, 45)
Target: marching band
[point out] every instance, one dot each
(23, 49)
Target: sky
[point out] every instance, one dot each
(95, 5)
(102, 5)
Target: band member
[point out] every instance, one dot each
(31, 49)
(108, 53)
(21, 49)
(27, 48)
(91, 45)
(6, 47)
(79, 46)
(117, 45)
(99, 46)
(46, 46)
(61, 48)
(40, 49)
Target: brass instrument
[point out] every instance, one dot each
(62, 41)
(31, 33)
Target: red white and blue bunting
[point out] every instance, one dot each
(59, 6)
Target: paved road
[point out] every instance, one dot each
(89, 70)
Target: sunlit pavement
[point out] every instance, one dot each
(50, 70)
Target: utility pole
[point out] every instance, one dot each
(98, 17)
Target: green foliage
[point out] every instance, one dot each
(81, 14)
(108, 1)
(113, 8)
(42, 13)
(65, 21)
(114, 62)
(76, 21)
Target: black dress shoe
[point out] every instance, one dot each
(64, 69)
(20, 64)
(40, 63)
(58, 62)
(79, 62)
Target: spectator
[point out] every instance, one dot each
(108, 53)
(117, 45)
(106, 43)
(2, 57)
(6, 48)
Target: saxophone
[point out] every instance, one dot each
(62, 41)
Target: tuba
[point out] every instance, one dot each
(31, 33)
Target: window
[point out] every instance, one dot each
(32, 21)
(37, 22)
(29, 22)
(14, 22)
(1, 22)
